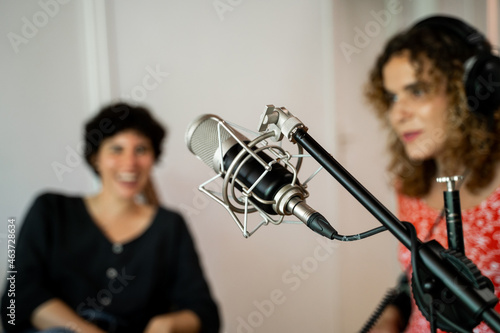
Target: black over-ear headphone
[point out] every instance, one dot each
(481, 71)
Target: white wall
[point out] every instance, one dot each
(231, 58)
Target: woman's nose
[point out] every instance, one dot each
(129, 158)
(400, 111)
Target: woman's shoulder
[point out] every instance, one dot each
(168, 215)
(491, 201)
(168, 211)
(170, 220)
(56, 195)
(406, 200)
(51, 198)
(53, 206)
(49, 210)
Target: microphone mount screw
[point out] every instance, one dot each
(450, 182)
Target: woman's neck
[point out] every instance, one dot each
(468, 199)
(119, 220)
(109, 205)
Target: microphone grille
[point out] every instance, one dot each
(202, 137)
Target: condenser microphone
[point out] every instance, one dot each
(269, 185)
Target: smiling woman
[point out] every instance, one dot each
(114, 261)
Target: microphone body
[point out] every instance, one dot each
(251, 170)
(267, 183)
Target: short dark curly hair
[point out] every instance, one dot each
(116, 118)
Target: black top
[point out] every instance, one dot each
(60, 252)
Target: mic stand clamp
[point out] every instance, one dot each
(279, 121)
(438, 303)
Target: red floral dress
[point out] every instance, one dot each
(481, 229)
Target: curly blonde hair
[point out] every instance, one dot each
(472, 141)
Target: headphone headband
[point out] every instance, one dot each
(481, 71)
(459, 28)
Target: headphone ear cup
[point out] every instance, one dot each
(482, 84)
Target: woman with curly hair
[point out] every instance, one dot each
(437, 88)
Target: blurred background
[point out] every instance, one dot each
(61, 60)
